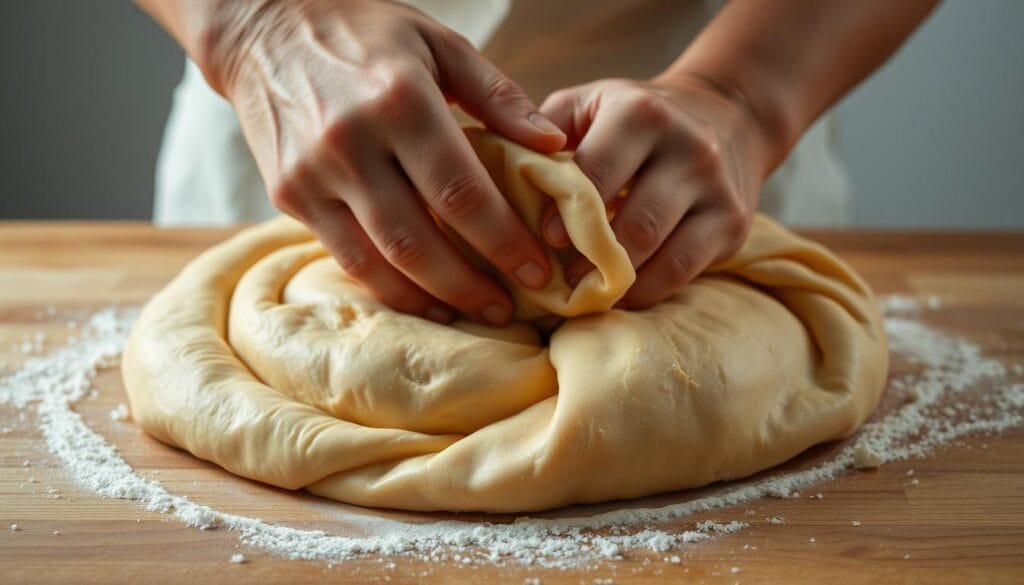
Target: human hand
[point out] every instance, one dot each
(691, 159)
(344, 107)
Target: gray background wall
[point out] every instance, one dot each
(84, 92)
(931, 140)
(936, 138)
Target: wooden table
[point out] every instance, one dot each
(964, 522)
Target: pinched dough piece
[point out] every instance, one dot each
(265, 358)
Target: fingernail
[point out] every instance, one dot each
(530, 274)
(443, 316)
(497, 314)
(543, 124)
(555, 230)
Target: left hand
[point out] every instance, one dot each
(691, 159)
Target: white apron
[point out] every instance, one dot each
(206, 175)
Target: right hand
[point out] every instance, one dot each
(344, 107)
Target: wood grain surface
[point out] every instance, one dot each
(963, 522)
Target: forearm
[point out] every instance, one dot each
(787, 61)
(206, 29)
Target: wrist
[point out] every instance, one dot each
(215, 34)
(770, 129)
(229, 34)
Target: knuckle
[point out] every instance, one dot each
(737, 221)
(705, 153)
(355, 262)
(396, 89)
(402, 81)
(460, 198)
(644, 228)
(600, 172)
(502, 246)
(290, 191)
(405, 248)
(648, 111)
(342, 136)
(502, 89)
(681, 267)
(283, 196)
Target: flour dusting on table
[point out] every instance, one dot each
(943, 405)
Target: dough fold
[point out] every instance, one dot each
(263, 357)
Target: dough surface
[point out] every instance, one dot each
(264, 357)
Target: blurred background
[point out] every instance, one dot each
(932, 140)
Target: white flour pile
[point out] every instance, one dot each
(943, 405)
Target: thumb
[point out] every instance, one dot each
(563, 109)
(488, 95)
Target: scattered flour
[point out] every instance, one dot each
(120, 413)
(907, 304)
(949, 369)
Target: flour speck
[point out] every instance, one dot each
(120, 413)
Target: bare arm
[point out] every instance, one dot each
(695, 143)
(788, 61)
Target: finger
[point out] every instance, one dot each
(554, 232)
(561, 108)
(404, 234)
(566, 109)
(611, 153)
(489, 95)
(657, 201)
(613, 149)
(339, 231)
(310, 193)
(691, 247)
(454, 183)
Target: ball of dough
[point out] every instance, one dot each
(263, 357)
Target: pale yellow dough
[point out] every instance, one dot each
(263, 357)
